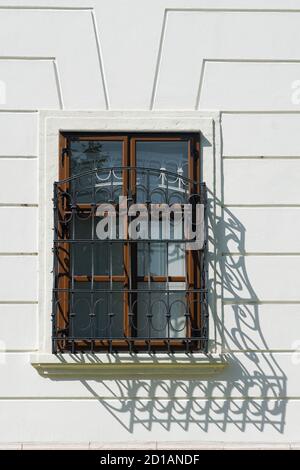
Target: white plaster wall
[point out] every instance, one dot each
(241, 58)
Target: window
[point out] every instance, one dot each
(114, 291)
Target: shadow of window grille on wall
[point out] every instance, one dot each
(126, 275)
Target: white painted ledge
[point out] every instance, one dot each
(114, 366)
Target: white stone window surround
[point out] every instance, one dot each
(51, 123)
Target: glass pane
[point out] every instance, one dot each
(158, 260)
(153, 309)
(162, 259)
(108, 256)
(176, 259)
(96, 314)
(162, 156)
(103, 185)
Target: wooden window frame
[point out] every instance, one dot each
(193, 274)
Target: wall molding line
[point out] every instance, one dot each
(100, 58)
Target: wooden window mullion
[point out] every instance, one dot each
(63, 253)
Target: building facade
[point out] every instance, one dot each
(224, 74)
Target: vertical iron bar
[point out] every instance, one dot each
(205, 267)
(149, 318)
(167, 271)
(168, 298)
(111, 313)
(92, 298)
(72, 310)
(54, 293)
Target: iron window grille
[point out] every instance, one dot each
(106, 301)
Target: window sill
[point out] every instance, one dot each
(125, 366)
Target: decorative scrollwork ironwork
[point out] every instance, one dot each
(100, 299)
